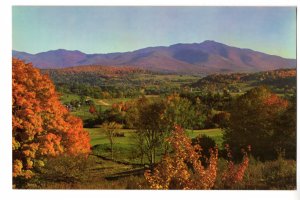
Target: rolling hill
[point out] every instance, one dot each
(206, 57)
(281, 81)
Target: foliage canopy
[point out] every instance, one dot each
(41, 126)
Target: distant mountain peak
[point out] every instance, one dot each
(63, 50)
(207, 57)
(209, 41)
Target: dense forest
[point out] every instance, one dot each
(96, 127)
(281, 81)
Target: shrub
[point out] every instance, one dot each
(184, 170)
(277, 174)
(206, 143)
(280, 173)
(64, 169)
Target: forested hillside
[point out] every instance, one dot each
(280, 81)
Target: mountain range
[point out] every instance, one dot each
(206, 57)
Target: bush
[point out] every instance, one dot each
(119, 135)
(206, 143)
(279, 174)
(64, 168)
(221, 119)
(183, 170)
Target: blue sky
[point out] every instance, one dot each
(119, 29)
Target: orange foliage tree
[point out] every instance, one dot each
(92, 109)
(253, 120)
(235, 173)
(41, 125)
(182, 169)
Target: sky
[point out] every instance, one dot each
(119, 29)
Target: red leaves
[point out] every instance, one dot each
(121, 106)
(41, 124)
(275, 101)
(283, 73)
(174, 170)
(76, 139)
(235, 173)
(51, 145)
(92, 109)
(101, 71)
(183, 168)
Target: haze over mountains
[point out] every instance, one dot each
(206, 57)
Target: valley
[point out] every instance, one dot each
(152, 98)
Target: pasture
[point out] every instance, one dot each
(124, 147)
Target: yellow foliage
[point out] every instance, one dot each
(182, 169)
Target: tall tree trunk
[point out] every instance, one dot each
(112, 150)
(142, 159)
(154, 153)
(152, 157)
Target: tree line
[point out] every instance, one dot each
(259, 118)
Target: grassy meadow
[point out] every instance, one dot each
(124, 146)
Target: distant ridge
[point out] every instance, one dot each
(206, 57)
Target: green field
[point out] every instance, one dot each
(215, 134)
(124, 146)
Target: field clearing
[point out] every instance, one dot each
(215, 134)
(83, 111)
(100, 174)
(124, 150)
(64, 98)
(98, 136)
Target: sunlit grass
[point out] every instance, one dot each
(215, 134)
(124, 146)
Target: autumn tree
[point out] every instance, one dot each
(118, 112)
(179, 111)
(253, 119)
(206, 143)
(150, 128)
(200, 114)
(41, 125)
(155, 120)
(92, 109)
(285, 131)
(132, 121)
(221, 119)
(131, 117)
(233, 174)
(110, 129)
(134, 110)
(183, 168)
(173, 172)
